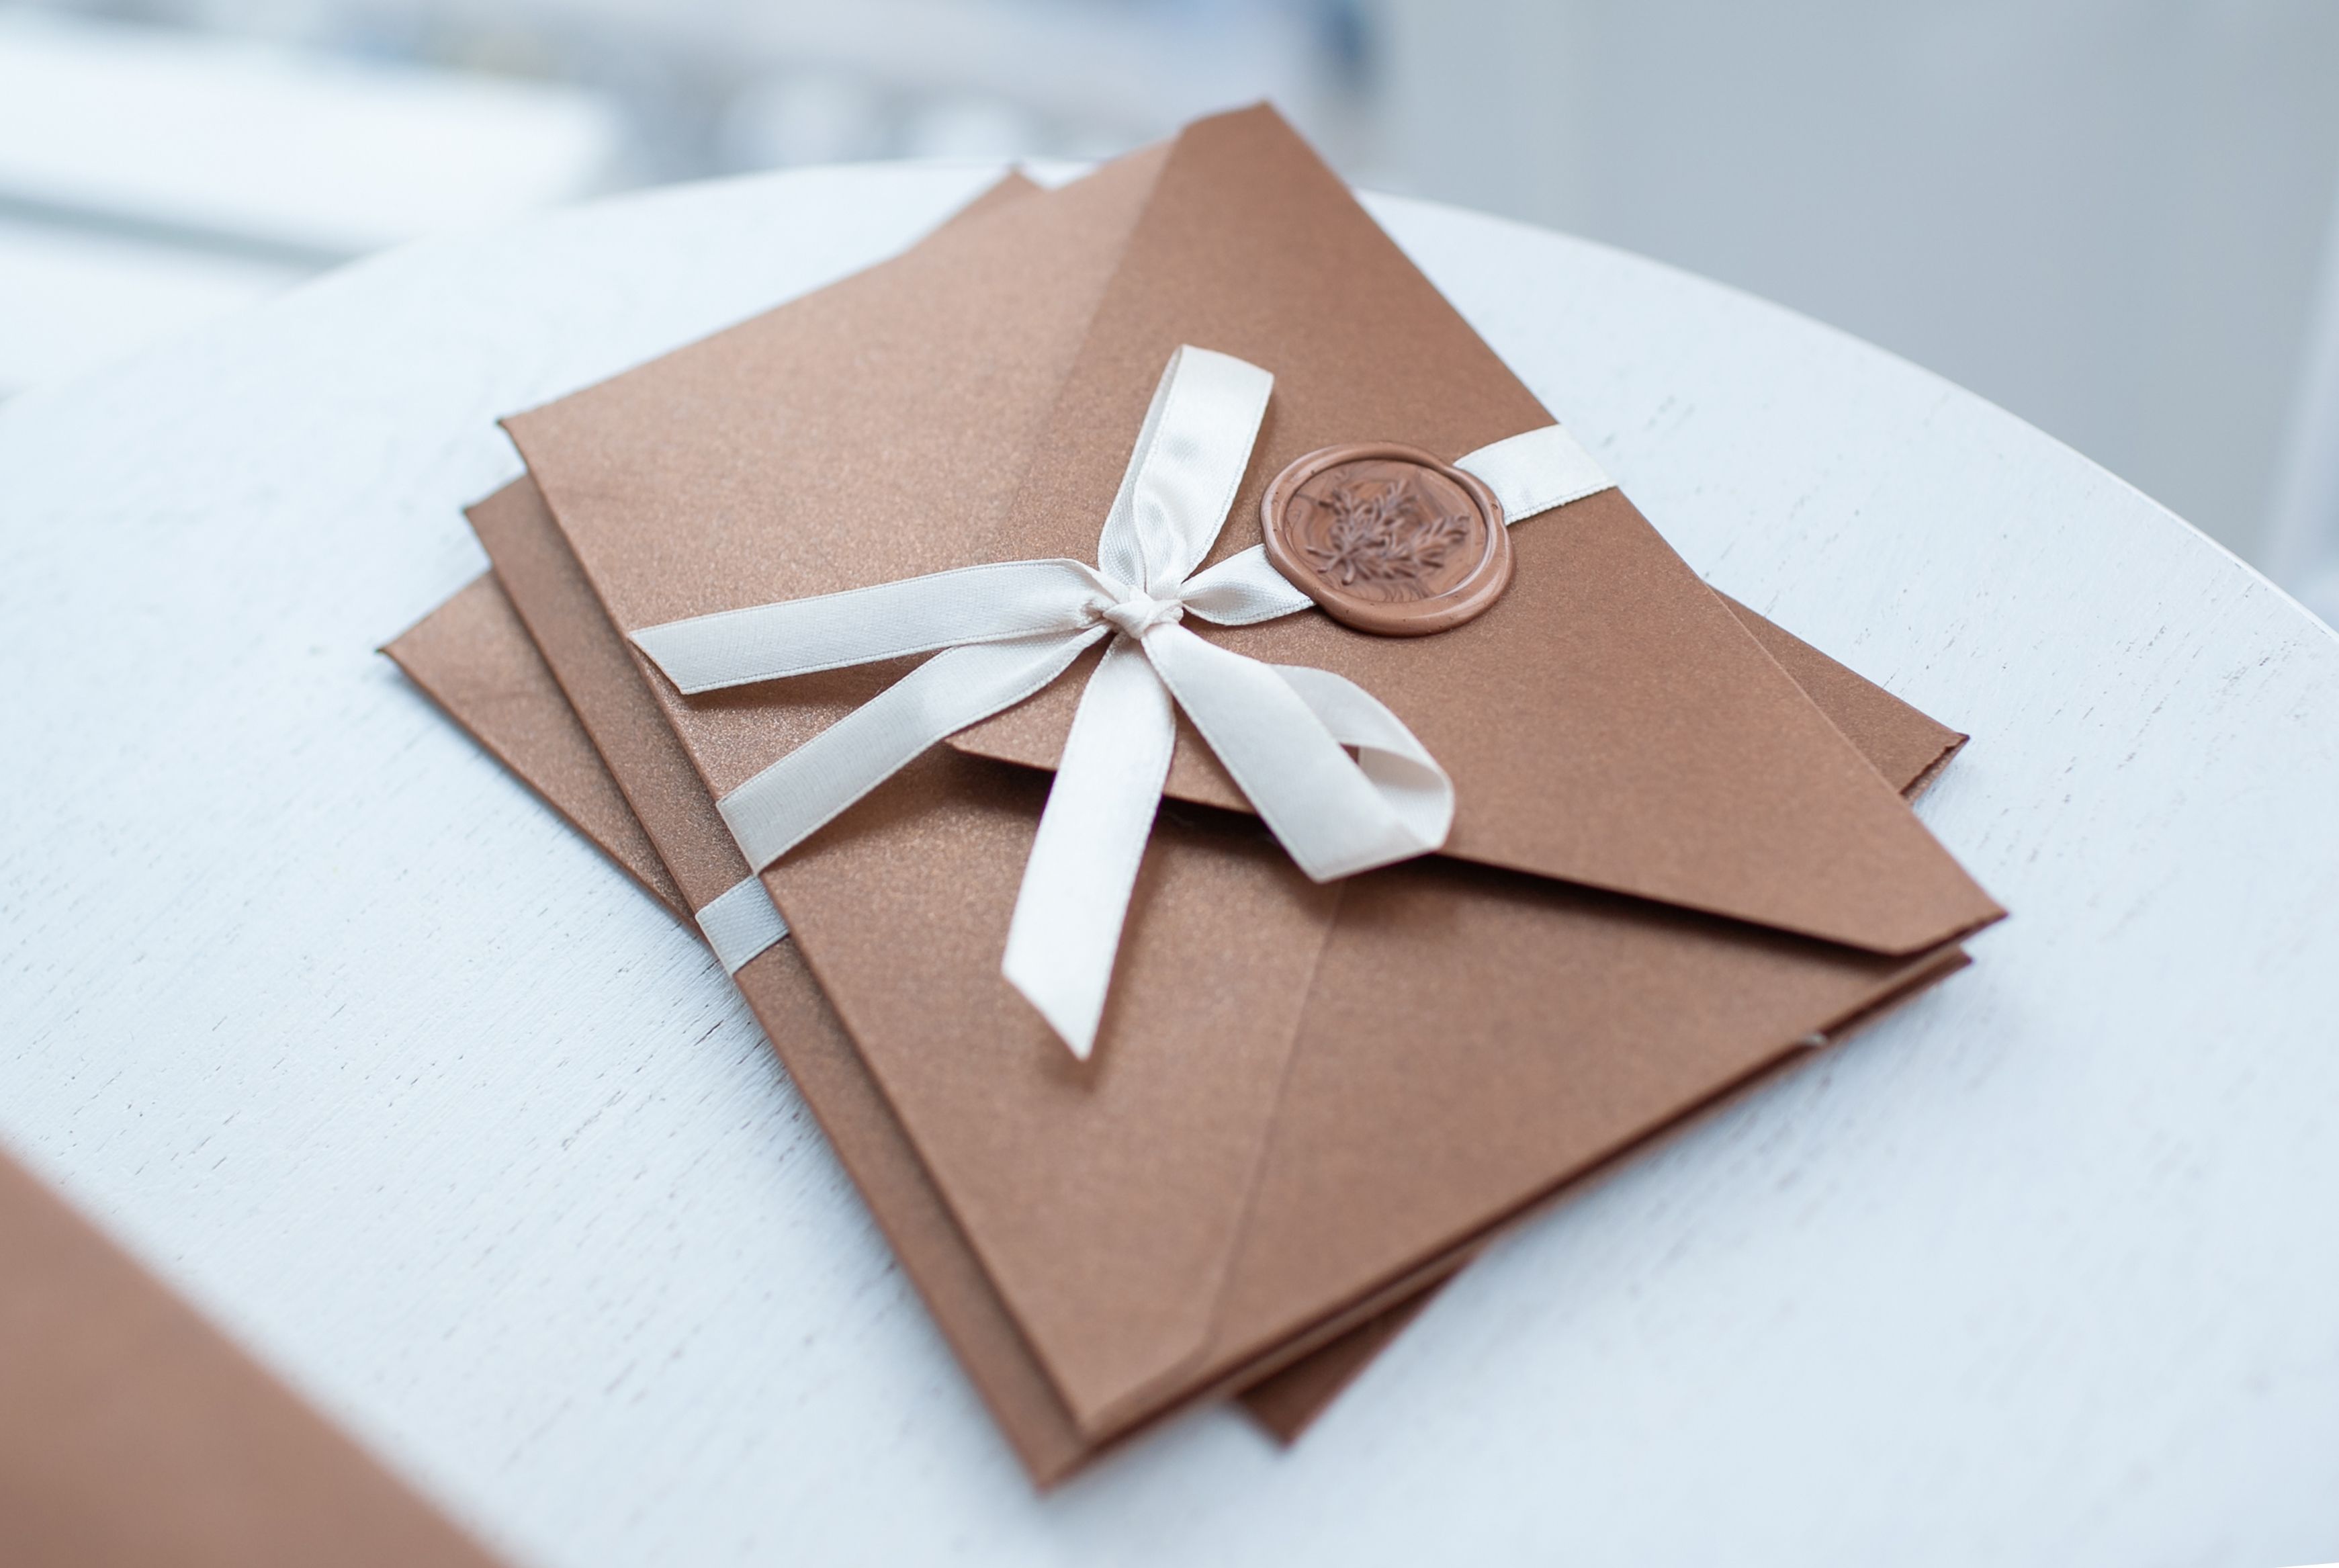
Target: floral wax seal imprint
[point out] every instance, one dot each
(1386, 539)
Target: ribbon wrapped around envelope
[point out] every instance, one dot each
(1007, 630)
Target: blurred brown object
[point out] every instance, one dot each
(132, 1432)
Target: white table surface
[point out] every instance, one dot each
(415, 1094)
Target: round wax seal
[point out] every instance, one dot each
(1387, 539)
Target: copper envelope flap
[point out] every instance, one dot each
(1608, 722)
(872, 430)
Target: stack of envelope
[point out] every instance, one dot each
(1682, 854)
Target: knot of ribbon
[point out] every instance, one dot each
(1001, 632)
(1140, 612)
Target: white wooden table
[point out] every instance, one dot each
(411, 1091)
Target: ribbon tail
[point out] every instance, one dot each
(1281, 731)
(1006, 601)
(802, 792)
(1536, 470)
(1077, 884)
(1185, 469)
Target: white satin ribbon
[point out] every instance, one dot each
(740, 922)
(1005, 631)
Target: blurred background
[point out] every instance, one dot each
(2117, 218)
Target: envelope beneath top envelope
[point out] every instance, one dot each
(1667, 869)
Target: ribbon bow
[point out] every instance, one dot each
(1007, 630)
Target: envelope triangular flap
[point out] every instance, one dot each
(871, 430)
(1609, 722)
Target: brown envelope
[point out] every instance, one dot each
(132, 1433)
(1307, 1099)
(474, 657)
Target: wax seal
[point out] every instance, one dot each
(1387, 539)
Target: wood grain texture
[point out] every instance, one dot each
(352, 1041)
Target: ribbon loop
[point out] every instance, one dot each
(1330, 814)
(1243, 590)
(1183, 473)
(1001, 632)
